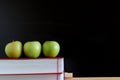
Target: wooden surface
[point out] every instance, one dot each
(98, 78)
(69, 76)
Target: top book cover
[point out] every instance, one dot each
(32, 66)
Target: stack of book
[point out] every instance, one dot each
(32, 69)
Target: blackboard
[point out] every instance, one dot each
(84, 35)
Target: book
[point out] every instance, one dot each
(29, 69)
(33, 77)
(25, 66)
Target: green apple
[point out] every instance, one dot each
(51, 48)
(32, 49)
(13, 49)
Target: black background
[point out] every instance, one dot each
(85, 36)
